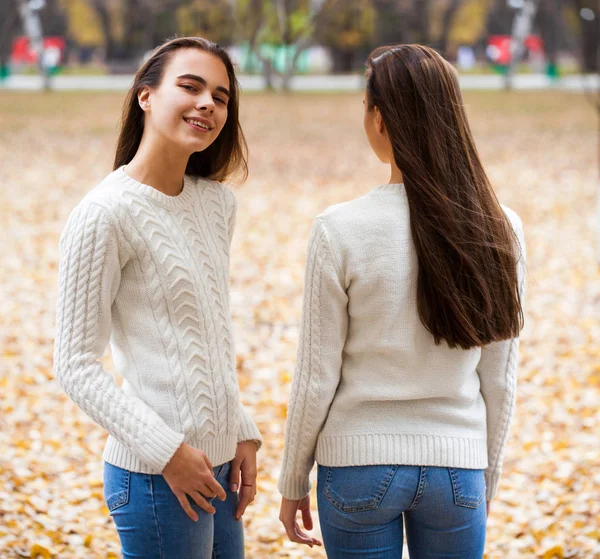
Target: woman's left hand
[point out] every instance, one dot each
(287, 516)
(244, 463)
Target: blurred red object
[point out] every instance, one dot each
(23, 53)
(498, 47)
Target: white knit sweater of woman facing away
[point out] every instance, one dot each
(371, 386)
(150, 273)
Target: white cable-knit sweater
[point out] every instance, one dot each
(150, 273)
(371, 386)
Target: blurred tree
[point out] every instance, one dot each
(548, 23)
(288, 24)
(589, 18)
(391, 25)
(346, 27)
(83, 23)
(499, 18)
(449, 15)
(54, 18)
(468, 24)
(428, 22)
(132, 27)
(213, 19)
(10, 25)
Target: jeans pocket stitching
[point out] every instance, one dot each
(420, 488)
(372, 505)
(117, 500)
(459, 500)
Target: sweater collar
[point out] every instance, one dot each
(181, 201)
(393, 187)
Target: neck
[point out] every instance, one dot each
(159, 166)
(396, 175)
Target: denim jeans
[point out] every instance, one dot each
(363, 510)
(152, 524)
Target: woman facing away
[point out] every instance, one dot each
(145, 264)
(405, 381)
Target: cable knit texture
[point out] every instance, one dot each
(150, 273)
(371, 386)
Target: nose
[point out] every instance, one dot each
(205, 102)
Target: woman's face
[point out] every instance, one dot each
(375, 131)
(189, 107)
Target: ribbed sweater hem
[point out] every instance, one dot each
(219, 451)
(406, 449)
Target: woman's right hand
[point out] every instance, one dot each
(190, 473)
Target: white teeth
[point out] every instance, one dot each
(196, 123)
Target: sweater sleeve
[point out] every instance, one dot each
(248, 431)
(89, 277)
(497, 370)
(323, 330)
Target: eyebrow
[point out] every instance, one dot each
(203, 82)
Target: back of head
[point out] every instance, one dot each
(467, 281)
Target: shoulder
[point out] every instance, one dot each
(513, 218)
(221, 191)
(97, 210)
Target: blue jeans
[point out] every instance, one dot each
(152, 524)
(363, 510)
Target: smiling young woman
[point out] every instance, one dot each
(145, 265)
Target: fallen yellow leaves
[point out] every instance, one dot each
(539, 150)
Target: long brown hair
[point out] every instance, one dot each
(467, 292)
(227, 155)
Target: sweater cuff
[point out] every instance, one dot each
(160, 446)
(294, 488)
(248, 431)
(492, 479)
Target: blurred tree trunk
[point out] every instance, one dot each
(499, 18)
(420, 10)
(548, 21)
(590, 35)
(110, 44)
(54, 19)
(9, 26)
(447, 22)
(391, 25)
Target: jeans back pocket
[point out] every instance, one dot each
(116, 486)
(358, 488)
(468, 487)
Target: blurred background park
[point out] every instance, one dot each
(527, 69)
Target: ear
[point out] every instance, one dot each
(379, 125)
(144, 98)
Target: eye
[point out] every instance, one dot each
(219, 100)
(188, 87)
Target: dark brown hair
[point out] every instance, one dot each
(467, 292)
(226, 155)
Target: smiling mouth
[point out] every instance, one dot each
(198, 125)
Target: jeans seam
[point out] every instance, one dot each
(160, 546)
(420, 488)
(456, 490)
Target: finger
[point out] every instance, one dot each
(208, 463)
(202, 502)
(306, 539)
(185, 505)
(206, 491)
(247, 495)
(234, 475)
(307, 519)
(296, 535)
(216, 489)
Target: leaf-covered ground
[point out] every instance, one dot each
(307, 152)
